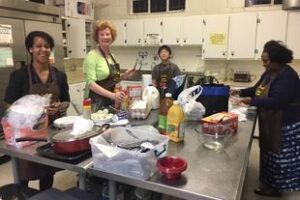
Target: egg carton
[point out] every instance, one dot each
(139, 109)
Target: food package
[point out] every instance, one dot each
(227, 119)
(109, 152)
(134, 93)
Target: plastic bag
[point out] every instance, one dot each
(192, 109)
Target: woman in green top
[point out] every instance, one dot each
(102, 72)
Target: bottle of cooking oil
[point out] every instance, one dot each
(164, 107)
(175, 123)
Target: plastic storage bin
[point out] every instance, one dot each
(109, 156)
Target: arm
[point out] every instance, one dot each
(14, 90)
(281, 92)
(63, 103)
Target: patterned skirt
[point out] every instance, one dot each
(281, 171)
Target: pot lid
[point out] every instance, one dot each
(65, 135)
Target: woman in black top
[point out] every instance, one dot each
(39, 77)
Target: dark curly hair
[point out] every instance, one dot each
(165, 47)
(278, 52)
(30, 38)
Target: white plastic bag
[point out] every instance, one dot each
(193, 110)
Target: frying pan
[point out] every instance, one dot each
(66, 143)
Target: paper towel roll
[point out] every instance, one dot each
(146, 80)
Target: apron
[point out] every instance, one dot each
(269, 120)
(30, 170)
(109, 83)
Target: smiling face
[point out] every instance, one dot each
(40, 50)
(105, 38)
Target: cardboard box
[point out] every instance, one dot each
(219, 122)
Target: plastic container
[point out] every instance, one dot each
(165, 105)
(175, 123)
(40, 129)
(87, 108)
(151, 94)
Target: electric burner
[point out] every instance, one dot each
(47, 151)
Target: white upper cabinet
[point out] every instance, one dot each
(215, 36)
(242, 35)
(76, 41)
(271, 25)
(171, 30)
(153, 32)
(121, 33)
(192, 30)
(293, 30)
(134, 32)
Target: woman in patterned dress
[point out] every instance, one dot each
(277, 97)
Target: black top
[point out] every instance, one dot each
(18, 85)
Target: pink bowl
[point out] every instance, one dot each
(171, 167)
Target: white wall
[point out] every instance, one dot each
(187, 58)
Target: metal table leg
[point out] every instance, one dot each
(81, 181)
(112, 185)
(15, 169)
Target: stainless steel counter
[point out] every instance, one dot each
(210, 174)
(29, 153)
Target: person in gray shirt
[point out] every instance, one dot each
(163, 72)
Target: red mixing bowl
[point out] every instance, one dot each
(171, 167)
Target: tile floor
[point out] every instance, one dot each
(251, 181)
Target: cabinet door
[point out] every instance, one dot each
(76, 40)
(121, 33)
(76, 91)
(152, 32)
(215, 34)
(192, 30)
(134, 32)
(171, 30)
(271, 26)
(293, 30)
(242, 33)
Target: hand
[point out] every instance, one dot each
(119, 97)
(129, 73)
(246, 100)
(53, 108)
(234, 92)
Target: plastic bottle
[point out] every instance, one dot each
(165, 105)
(87, 108)
(175, 123)
(151, 94)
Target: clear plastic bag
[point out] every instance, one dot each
(193, 110)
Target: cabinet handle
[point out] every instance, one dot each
(125, 41)
(184, 41)
(68, 25)
(70, 51)
(223, 53)
(83, 50)
(161, 41)
(232, 53)
(177, 40)
(139, 40)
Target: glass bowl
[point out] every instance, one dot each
(216, 138)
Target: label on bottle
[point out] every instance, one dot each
(162, 121)
(176, 131)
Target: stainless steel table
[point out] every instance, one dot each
(29, 153)
(210, 175)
